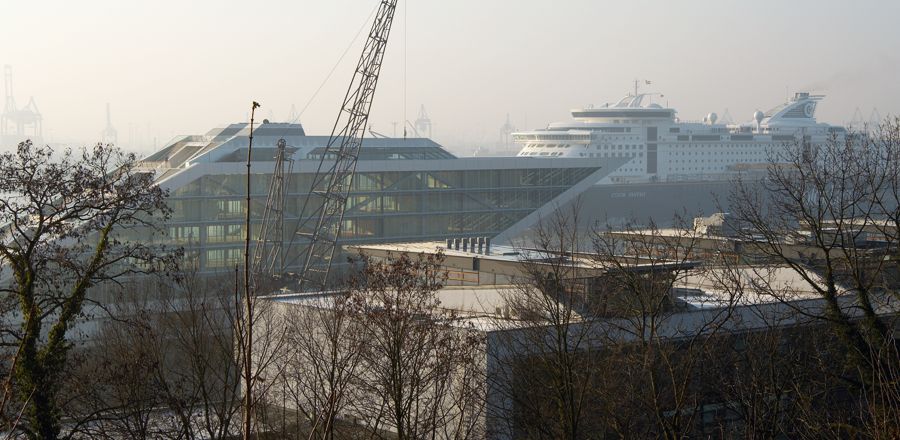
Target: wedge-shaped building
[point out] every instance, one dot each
(404, 190)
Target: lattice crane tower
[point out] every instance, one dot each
(323, 208)
(423, 123)
(269, 256)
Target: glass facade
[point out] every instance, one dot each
(384, 206)
(404, 190)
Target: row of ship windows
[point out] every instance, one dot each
(732, 154)
(728, 149)
(553, 137)
(621, 147)
(712, 147)
(605, 147)
(714, 153)
(547, 146)
(641, 154)
(629, 170)
(607, 138)
(698, 169)
(558, 153)
(752, 160)
(706, 149)
(541, 153)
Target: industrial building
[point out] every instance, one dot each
(482, 279)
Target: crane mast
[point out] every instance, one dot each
(268, 257)
(323, 209)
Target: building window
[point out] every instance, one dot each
(219, 258)
(230, 208)
(184, 234)
(224, 233)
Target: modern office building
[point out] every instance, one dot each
(404, 190)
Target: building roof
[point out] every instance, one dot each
(747, 285)
(484, 308)
(514, 255)
(229, 144)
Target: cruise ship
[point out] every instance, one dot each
(671, 166)
(404, 190)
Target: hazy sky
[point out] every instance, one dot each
(176, 67)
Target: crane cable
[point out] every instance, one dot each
(333, 68)
(405, 40)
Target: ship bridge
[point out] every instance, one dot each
(631, 108)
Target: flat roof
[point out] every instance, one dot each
(746, 285)
(516, 254)
(480, 308)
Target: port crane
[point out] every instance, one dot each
(319, 227)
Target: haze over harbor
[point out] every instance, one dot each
(171, 68)
(464, 220)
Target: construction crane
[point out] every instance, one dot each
(110, 135)
(9, 106)
(323, 208)
(423, 123)
(18, 124)
(268, 257)
(506, 131)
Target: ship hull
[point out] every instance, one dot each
(665, 204)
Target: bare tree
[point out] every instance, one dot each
(203, 356)
(110, 390)
(199, 363)
(169, 365)
(550, 355)
(662, 347)
(416, 359)
(60, 226)
(596, 342)
(322, 356)
(820, 212)
(163, 367)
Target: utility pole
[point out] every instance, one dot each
(247, 322)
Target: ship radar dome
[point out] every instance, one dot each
(712, 118)
(758, 116)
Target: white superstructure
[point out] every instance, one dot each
(660, 147)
